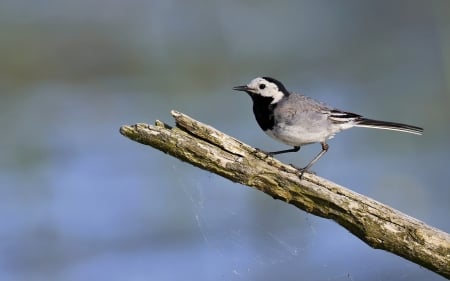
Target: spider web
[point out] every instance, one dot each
(248, 235)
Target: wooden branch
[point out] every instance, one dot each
(376, 224)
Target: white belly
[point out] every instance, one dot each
(298, 136)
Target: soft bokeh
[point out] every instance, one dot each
(78, 201)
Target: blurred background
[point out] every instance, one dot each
(78, 201)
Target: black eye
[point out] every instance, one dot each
(262, 86)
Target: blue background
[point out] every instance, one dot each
(78, 201)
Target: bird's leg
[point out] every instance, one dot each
(318, 156)
(294, 149)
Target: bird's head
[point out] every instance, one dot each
(265, 87)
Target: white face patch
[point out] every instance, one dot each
(261, 86)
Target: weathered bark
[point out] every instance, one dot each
(376, 224)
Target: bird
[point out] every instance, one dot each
(297, 120)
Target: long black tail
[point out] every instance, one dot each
(385, 125)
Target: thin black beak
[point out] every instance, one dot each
(241, 88)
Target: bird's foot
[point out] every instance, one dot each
(295, 167)
(267, 154)
(301, 171)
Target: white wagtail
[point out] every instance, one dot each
(297, 120)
